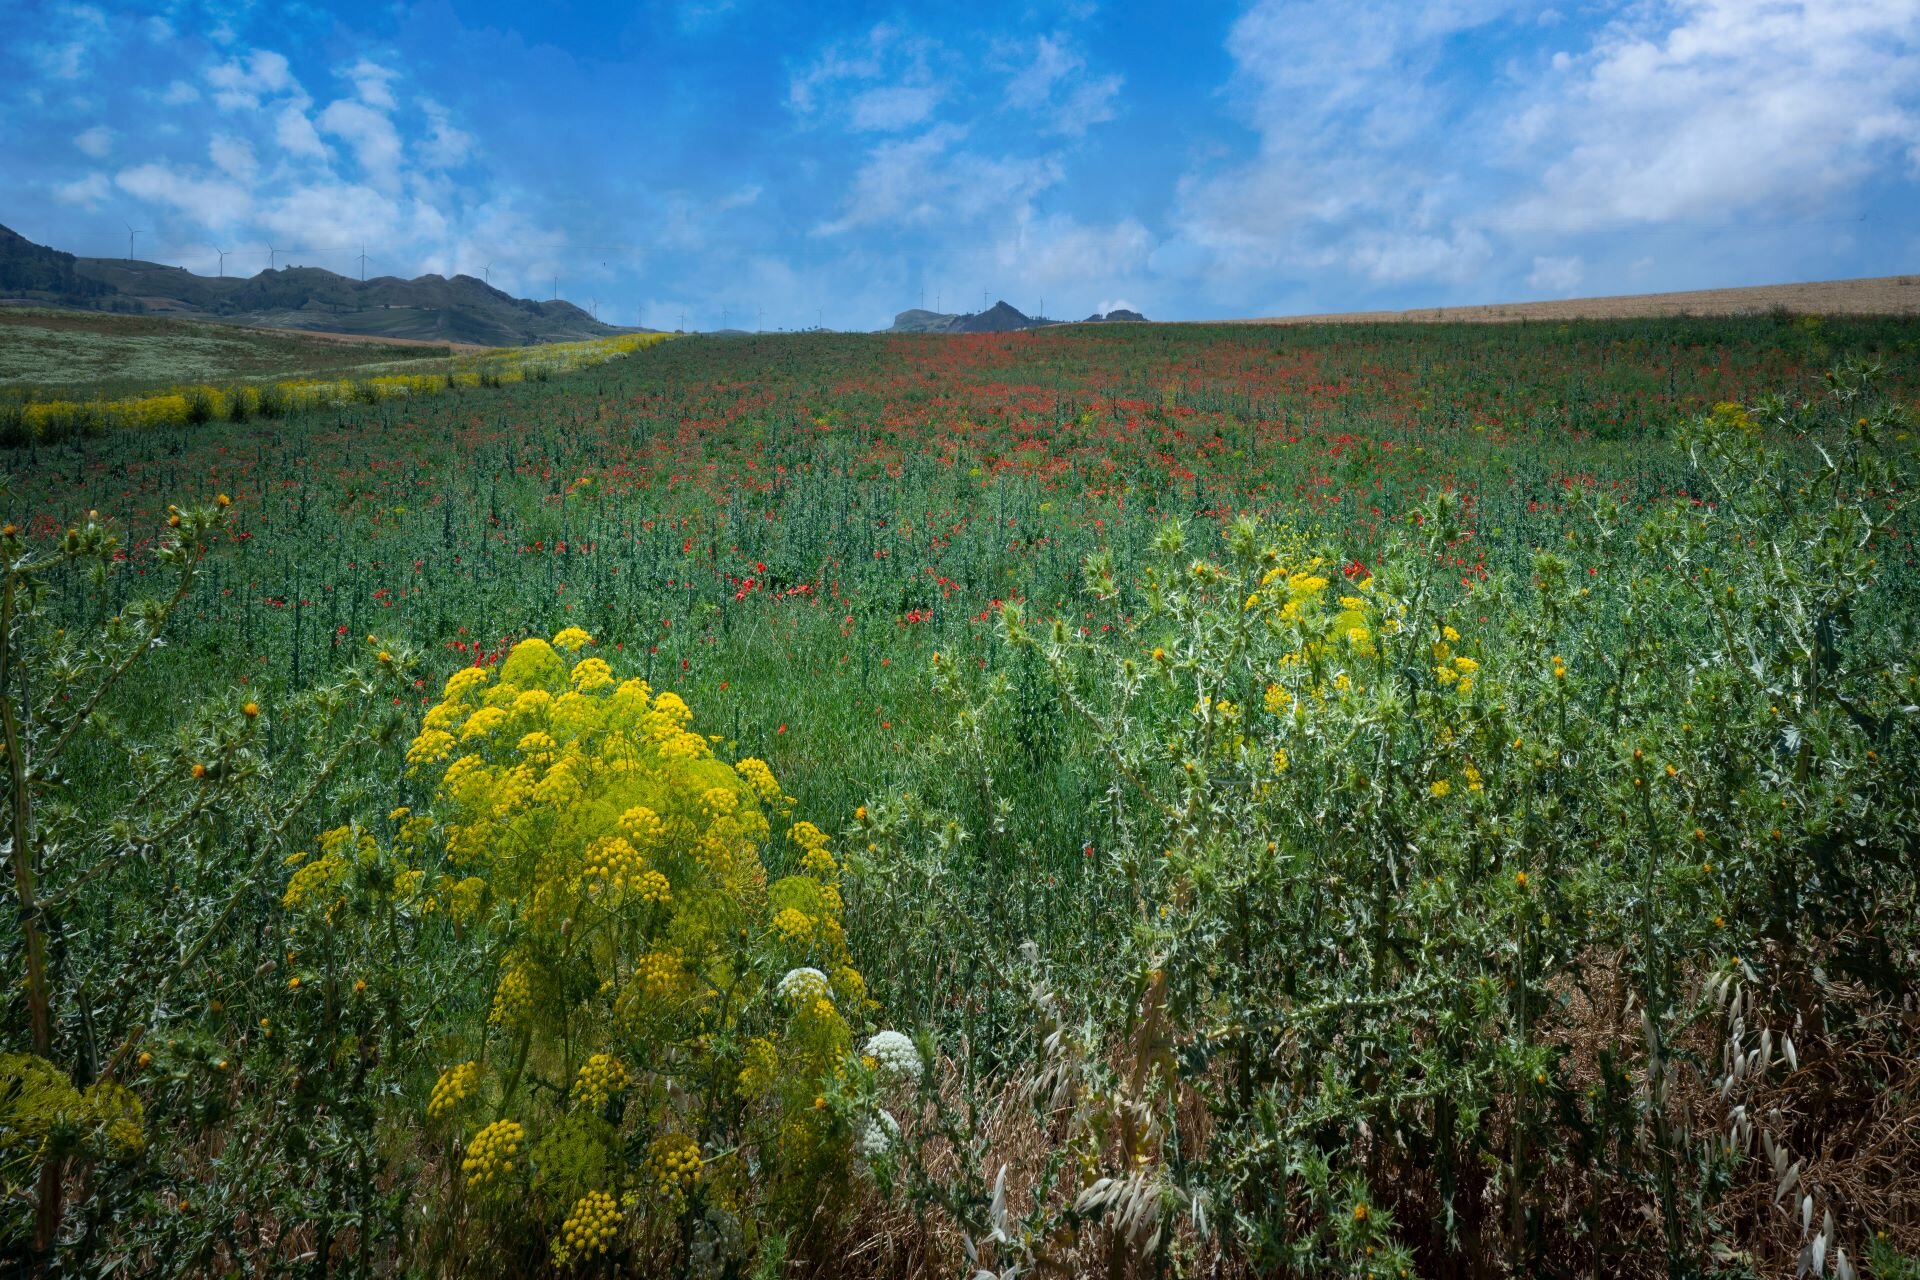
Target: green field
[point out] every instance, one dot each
(47, 354)
(1367, 800)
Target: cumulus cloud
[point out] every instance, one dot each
(1556, 275)
(211, 202)
(857, 60)
(893, 107)
(95, 142)
(369, 134)
(930, 179)
(1383, 156)
(373, 83)
(1050, 79)
(1696, 109)
(232, 156)
(85, 192)
(444, 147)
(1057, 250)
(1346, 177)
(240, 84)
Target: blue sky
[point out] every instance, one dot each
(789, 163)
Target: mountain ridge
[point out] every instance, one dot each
(460, 308)
(1001, 317)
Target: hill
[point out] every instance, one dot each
(430, 307)
(1002, 317)
(1873, 295)
(48, 354)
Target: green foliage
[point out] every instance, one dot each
(1368, 843)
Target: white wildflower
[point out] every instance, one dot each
(804, 985)
(894, 1056)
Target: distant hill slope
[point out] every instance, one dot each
(999, 318)
(430, 307)
(1872, 295)
(32, 271)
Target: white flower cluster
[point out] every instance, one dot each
(894, 1056)
(881, 1132)
(803, 986)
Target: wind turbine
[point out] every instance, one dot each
(223, 259)
(131, 233)
(272, 255)
(486, 275)
(363, 264)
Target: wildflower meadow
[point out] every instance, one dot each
(1127, 800)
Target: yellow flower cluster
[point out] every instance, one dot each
(513, 998)
(638, 925)
(1450, 668)
(598, 1080)
(673, 1166)
(315, 883)
(455, 1086)
(590, 1227)
(612, 861)
(760, 1064)
(490, 1154)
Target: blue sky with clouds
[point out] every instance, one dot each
(795, 163)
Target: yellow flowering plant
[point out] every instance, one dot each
(663, 1018)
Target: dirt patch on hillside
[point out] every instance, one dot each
(1879, 296)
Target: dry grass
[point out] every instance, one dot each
(1850, 1110)
(1878, 295)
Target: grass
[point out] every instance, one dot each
(48, 354)
(815, 539)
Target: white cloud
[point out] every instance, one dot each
(1348, 176)
(1697, 109)
(1090, 103)
(240, 84)
(211, 202)
(1057, 251)
(296, 135)
(883, 82)
(1557, 275)
(95, 142)
(373, 83)
(179, 93)
(85, 28)
(85, 192)
(370, 135)
(893, 108)
(1049, 81)
(444, 147)
(1052, 61)
(924, 180)
(232, 156)
(1396, 256)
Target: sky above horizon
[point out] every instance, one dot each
(779, 165)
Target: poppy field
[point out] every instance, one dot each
(1381, 800)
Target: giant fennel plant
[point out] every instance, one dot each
(664, 1068)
